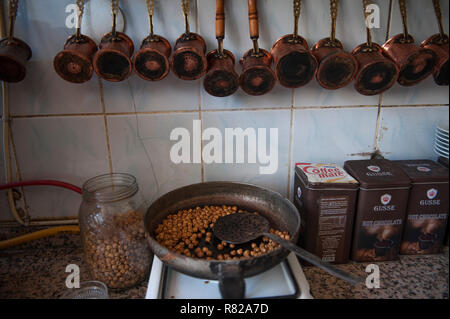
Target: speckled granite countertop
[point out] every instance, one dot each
(37, 270)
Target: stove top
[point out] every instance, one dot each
(286, 280)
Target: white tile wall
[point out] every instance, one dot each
(408, 132)
(142, 96)
(247, 172)
(334, 135)
(62, 148)
(141, 146)
(426, 92)
(60, 129)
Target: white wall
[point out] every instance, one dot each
(73, 132)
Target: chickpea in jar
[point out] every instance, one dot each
(112, 231)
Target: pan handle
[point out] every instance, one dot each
(220, 25)
(314, 260)
(220, 19)
(253, 19)
(231, 282)
(253, 23)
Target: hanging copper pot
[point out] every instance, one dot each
(151, 62)
(188, 60)
(438, 43)
(113, 61)
(257, 76)
(337, 68)
(74, 63)
(414, 63)
(221, 79)
(295, 66)
(14, 53)
(376, 73)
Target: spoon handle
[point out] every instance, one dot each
(314, 260)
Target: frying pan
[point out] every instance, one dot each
(280, 212)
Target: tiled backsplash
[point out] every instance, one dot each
(73, 132)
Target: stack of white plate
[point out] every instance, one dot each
(441, 140)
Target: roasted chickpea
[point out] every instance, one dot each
(184, 231)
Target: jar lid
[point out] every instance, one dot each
(110, 187)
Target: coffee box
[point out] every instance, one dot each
(427, 212)
(325, 196)
(444, 162)
(380, 209)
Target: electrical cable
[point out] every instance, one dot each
(6, 136)
(41, 233)
(41, 183)
(9, 184)
(37, 235)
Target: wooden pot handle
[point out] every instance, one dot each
(220, 20)
(253, 19)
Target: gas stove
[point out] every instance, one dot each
(286, 280)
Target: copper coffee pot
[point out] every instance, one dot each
(376, 73)
(188, 60)
(74, 63)
(337, 68)
(438, 43)
(113, 61)
(14, 53)
(151, 62)
(257, 77)
(295, 66)
(221, 79)
(414, 63)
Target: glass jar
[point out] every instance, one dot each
(111, 220)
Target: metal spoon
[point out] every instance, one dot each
(243, 227)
